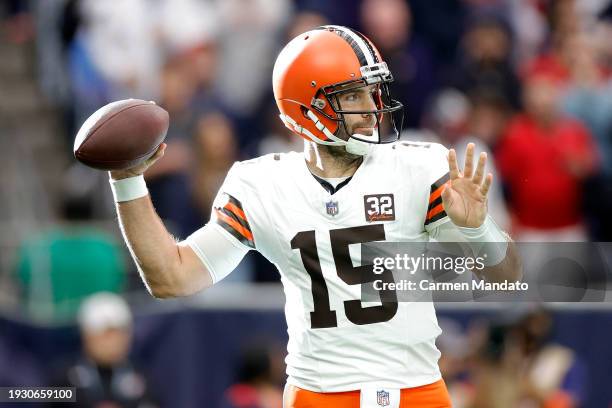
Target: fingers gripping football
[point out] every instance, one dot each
(140, 168)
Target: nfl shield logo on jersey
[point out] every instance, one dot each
(382, 397)
(332, 208)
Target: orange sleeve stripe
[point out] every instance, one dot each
(435, 211)
(437, 193)
(234, 224)
(234, 208)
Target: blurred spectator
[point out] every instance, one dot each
(487, 118)
(455, 350)
(588, 98)
(563, 22)
(485, 63)
(554, 376)
(216, 152)
(103, 375)
(481, 119)
(446, 115)
(603, 31)
(189, 33)
(185, 94)
(181, 26)
(518, 366)
(56, 24)
(529, 27)
(388, 23)
(248, 42)
(56, 269)
(18, 24)
(544, 157)
(441, 23)
(496, 374)
(278, 139)
(563, 17)
(339, 12)
(113, 55)
(304, 21)
(257, 385)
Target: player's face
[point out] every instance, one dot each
(107, 347)
(358, 99)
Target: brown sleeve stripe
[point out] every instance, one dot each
(433, 196)
(440, 182)
(231, 207)
(233, 219)
(233, 227)
(435, 211)
(435, 208)
(436, 217)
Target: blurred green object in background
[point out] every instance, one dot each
(58, 268)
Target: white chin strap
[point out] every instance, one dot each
(358, 147)
(353, 145)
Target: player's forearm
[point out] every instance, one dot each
(152, 247)
(489, 242)
(502, 261)
(509, 269)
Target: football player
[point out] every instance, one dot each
(353, 184)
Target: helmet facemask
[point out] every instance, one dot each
(388, 114)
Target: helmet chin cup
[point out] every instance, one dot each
(356, 144)
(358, 147)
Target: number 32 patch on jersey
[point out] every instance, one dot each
(379, 207)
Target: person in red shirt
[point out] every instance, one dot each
(543, 159)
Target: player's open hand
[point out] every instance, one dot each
(465, 195)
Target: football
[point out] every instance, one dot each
(121, 134)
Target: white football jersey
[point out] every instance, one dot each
(273, 204)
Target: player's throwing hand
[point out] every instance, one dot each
(465, 195)
(141, 168)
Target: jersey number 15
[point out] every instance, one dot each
(322, 316)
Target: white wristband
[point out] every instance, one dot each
(488, 241)
(128, 189)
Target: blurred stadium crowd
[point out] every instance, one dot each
(529, 81)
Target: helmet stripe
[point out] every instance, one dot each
(364, 53)
(368, 44)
